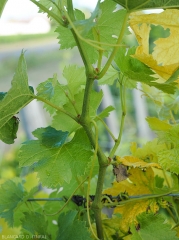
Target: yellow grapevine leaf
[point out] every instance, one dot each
(164, 71)
(164, 60)
(131, 161)
(139, 182)
(157, 124)
(129, 212)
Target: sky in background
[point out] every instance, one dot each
(24, 9)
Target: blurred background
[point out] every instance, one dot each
(22, 27)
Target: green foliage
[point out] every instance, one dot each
(152, 227)
(139, 191)
(57, 161)
(144, 4)
(72, 228)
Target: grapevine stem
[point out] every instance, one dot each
(110, 59)
(107, 128)
(57, 108)
(90, 176)
(171, 214)
(123, 106)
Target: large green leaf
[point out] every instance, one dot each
(12, 197)
(2, 5)
(147, 4)
(16, 98)
(56, 164)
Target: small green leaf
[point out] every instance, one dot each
(11, 196)
(106, 112)
(169, 160)
(53, 138)
(46, 90)
(110, 76)
(71, 228)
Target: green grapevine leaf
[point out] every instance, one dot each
(17, 97)
(106, 112)
(66, 39)
(59, 164)
(2, 5)
(110, 76)
(35, 224)
(157, 124)
(52, 8)
(169, 160)
(13, 196)
(143, 4)
(52, 90)
(46, 89)
(75, 77)
(63, 122)
(152, 227)
(109, 22)
(71, 228)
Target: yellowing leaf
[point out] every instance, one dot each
(131, 161)
(157, 124)
(163, 71)
(129, 212)
(139, 183)
(165, 58)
